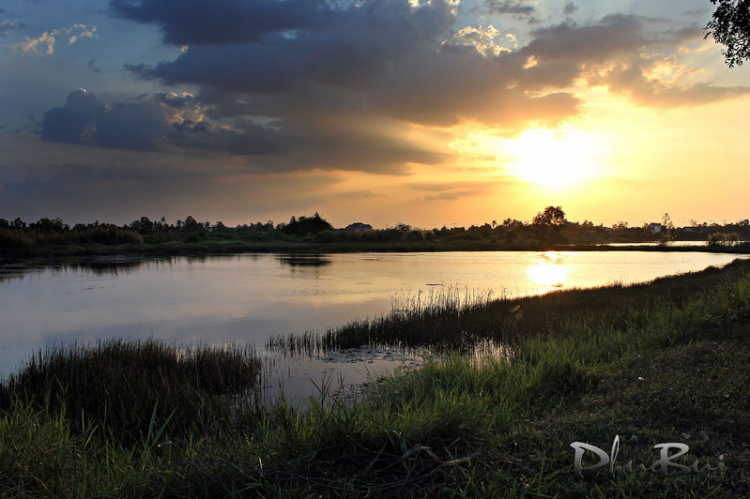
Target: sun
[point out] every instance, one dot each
(553, 158)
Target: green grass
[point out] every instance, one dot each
(653, 363)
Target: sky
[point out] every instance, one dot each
(426, 112)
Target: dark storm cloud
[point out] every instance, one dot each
(160, 123)
(385, 57)
(198, 22)
(510, 7)
(365, 43)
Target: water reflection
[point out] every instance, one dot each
(98, 266)
(549, 271)
(304, 260)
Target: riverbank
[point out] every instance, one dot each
(54, 253)
(653, 363)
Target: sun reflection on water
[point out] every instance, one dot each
(549, 270)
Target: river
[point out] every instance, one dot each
(249, 297)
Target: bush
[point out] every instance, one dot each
(109, 235)
(720, 238)
(14, 243)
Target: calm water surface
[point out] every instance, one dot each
(248, 298)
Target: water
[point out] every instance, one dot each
(249, 297)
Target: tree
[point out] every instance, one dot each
(303, 225)
(192, 225)
(668, 231)
(730, 26)
(551, 216)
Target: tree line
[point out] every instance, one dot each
(548, 227)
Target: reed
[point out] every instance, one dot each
(456, 319)
(122, 386)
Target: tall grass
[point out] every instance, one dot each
(458, 320)
(122, 387)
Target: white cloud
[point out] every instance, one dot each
(44, 44)
(481, 38)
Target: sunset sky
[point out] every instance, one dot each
(430, 113)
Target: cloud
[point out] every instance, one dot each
(180, 123)
(612, 37)
(480, 39)
(196, 22)
(161, 123)
(8, 27)
(313, 84)
(360, 194)
(632, 79)
(570, 8)
(44, 44)
(453, 195)
(450, 191)
(518, 7)
(383, 57)
(620, 53)
(444, 186)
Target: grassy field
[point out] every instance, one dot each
(664, 362)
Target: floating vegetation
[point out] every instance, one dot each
(369, 355)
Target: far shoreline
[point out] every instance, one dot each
(130, 252)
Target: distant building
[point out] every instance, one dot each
(359, 227)
(654, 227)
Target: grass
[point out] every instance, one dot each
(653, 363)
(123, 387)
(459, 320)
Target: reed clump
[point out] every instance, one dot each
(121, 386)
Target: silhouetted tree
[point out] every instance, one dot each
(668, 232)
(303, 226)
(192, 225)
(730, 26)
(551, 216)
(142, 226)
(548, 224)
(47, 225)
